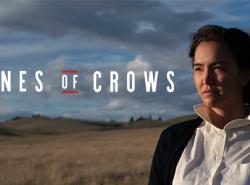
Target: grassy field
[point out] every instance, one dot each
(114, 157)
(44, 151)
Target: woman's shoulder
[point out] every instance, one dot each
(181, 128)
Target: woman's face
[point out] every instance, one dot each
(217, 77)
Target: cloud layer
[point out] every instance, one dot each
(106, 35)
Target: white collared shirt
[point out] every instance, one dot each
(215, 156)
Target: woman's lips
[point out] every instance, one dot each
(209, 92)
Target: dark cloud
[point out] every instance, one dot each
(144, 23)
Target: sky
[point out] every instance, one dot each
(105, 35)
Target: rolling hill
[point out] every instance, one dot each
(42, 125)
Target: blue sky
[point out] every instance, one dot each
(105, 35)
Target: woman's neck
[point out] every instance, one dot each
(219, 117)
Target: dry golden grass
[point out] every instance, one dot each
(114, 157)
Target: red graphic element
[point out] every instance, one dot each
(70, 71)
(70, 92)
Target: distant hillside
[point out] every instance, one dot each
(179, 119)
(20, 126)
(164, 123)
(45, 125)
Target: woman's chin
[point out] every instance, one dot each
(211, 102)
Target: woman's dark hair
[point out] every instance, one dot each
(238, 42)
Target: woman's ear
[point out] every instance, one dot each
(245, 77)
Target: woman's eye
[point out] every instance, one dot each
(197, 69)
(221, 68)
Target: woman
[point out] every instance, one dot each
(215, 147)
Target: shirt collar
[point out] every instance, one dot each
(200, 111)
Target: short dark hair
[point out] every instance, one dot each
(237, 40)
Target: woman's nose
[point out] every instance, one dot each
(208, 77)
